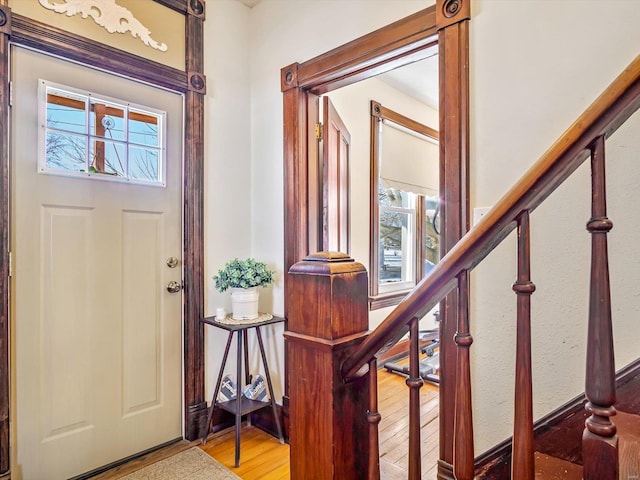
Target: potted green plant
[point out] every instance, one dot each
(243, 277)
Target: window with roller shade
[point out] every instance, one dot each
(407, 203)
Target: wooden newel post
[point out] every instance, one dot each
(327, 318)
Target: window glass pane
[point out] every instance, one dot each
(431, 234)
(395, 246)
(83, 134)
(107, 120)
(108, 158)
(65, 151)
(66, 111)
(143, 128)
(391, 197)
(143, 164)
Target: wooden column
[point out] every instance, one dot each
(463, 456)
(5, 29)
(328, 317)
(373, 417)
(196, 405)
(599, 440)
(452, 19)
(522, 464)
(301, 198)
(414, 382)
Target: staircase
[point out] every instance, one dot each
(558, 437)
(333, 397)
(549, 467)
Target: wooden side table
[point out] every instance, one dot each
(241, 405)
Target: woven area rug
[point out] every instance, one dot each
(192, 464)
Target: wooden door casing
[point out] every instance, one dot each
(443, 28)
(29, 33)
(90, 313)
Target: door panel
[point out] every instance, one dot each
(97, 338)
(142, 342)
(65, 374)
(336, 145)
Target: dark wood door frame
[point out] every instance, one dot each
(23, 31)
(442, 28)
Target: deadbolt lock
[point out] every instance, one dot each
(172, 262)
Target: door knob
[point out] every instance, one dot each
(174, 287)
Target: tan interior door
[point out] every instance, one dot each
(336, 144)
(96, 336)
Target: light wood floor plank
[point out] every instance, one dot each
(262, 456)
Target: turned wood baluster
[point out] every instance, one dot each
(463, 461)
(522, 460)
(599, 440)
(414, 382)
(373, 417)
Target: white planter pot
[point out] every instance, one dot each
(244, 303)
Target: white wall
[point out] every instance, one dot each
(228, 178)
(284, 32)
(245, 50)
(279, 32)
(535, 66)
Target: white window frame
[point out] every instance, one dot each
(45, 85)
(408, 246)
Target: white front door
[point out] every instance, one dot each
(97, 343)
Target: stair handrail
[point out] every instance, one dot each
(603, 117)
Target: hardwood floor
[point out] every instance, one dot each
(393, 399)
(263, 457)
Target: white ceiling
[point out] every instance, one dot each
(419, 80)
